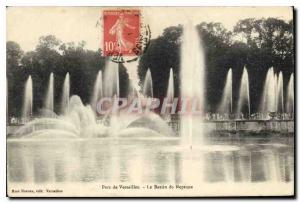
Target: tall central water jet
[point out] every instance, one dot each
(244, 94)
(65, 100)
(49, 103)
(192, 83)
(28, 99)
(148, 85)
(226, 102)
(97, 93)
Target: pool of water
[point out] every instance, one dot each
(221, 160)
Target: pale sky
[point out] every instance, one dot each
(26, 24)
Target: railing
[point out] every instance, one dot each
(175, 118)
(21, 121)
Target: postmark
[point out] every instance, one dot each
(125, 36)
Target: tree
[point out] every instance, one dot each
(257, 44)
(216, 42)
(269, 43)
(162, 54)
(13, 73)
(53, 56)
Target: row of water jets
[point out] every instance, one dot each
(272, 99)
(99, 91)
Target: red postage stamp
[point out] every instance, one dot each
(121, 32)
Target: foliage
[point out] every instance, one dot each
(53, 56)
(257, 44)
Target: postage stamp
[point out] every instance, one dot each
(124, 35)
(121, 32)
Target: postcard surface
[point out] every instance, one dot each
(150, 101)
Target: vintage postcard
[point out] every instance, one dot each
(150, 101)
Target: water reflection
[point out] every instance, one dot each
(149, 161)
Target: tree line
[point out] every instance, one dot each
(53, 56)
(256, 43)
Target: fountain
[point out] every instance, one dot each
(148, 86)
(168, 110)
(97, 93)
(192, 83)
(279, 94)
(27, 100)
(78, 122)
(290, 96)
(111, 80)
(170, 90)
(65, 99)
(276, 91)
(244, 94)
(268, 101)
(49, 102)
(226, 102)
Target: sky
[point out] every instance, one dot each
(73, 24)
